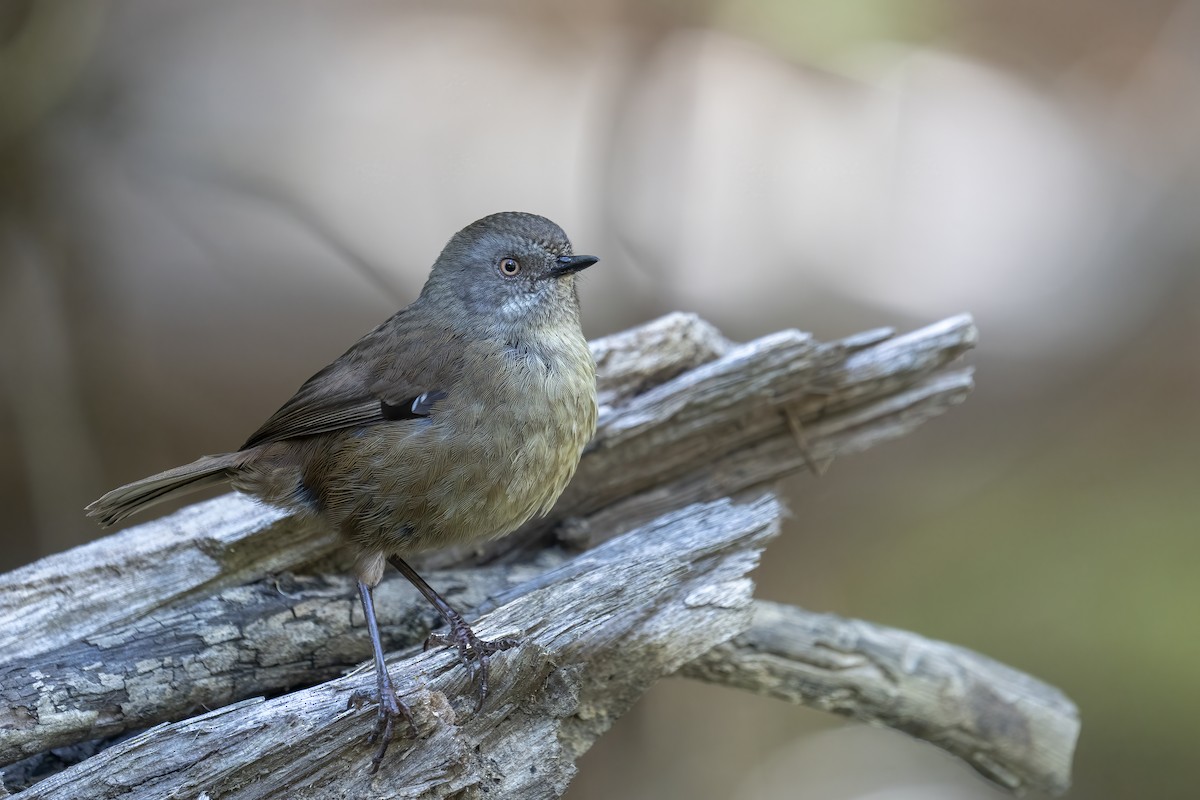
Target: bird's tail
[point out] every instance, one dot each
(120, 503)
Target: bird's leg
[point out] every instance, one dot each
(472, 651)
(391, 707)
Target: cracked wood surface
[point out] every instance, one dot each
(1010, 727)
(596, 632)
(687, 417)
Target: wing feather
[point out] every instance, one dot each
(366, 385)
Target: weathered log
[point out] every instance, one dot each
(595, 634)
(176, 615)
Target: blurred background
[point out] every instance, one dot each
(202, 203)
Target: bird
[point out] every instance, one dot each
(456, 420)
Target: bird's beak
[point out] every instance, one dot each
(569, 265)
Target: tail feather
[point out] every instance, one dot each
(131, 498)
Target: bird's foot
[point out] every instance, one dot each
(391, 709)
(473, 652)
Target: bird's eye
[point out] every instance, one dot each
(509, 266)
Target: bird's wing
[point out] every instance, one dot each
(381, 378)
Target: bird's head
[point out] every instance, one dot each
(511, 269)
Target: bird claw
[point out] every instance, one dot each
(473, 652)
(390, 709)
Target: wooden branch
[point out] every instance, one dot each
(718, 418)
(597, 632)
(260, 638)
(183, 618)
(1012, 728)
(62, 599)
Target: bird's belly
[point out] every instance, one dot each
(474, 472)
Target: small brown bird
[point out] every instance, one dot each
(456, 420)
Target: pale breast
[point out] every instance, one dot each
(519, 441)
(499, 449)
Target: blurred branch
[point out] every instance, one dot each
(157, 621)
(277, 199)
(291, 204)
(1012, 728)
